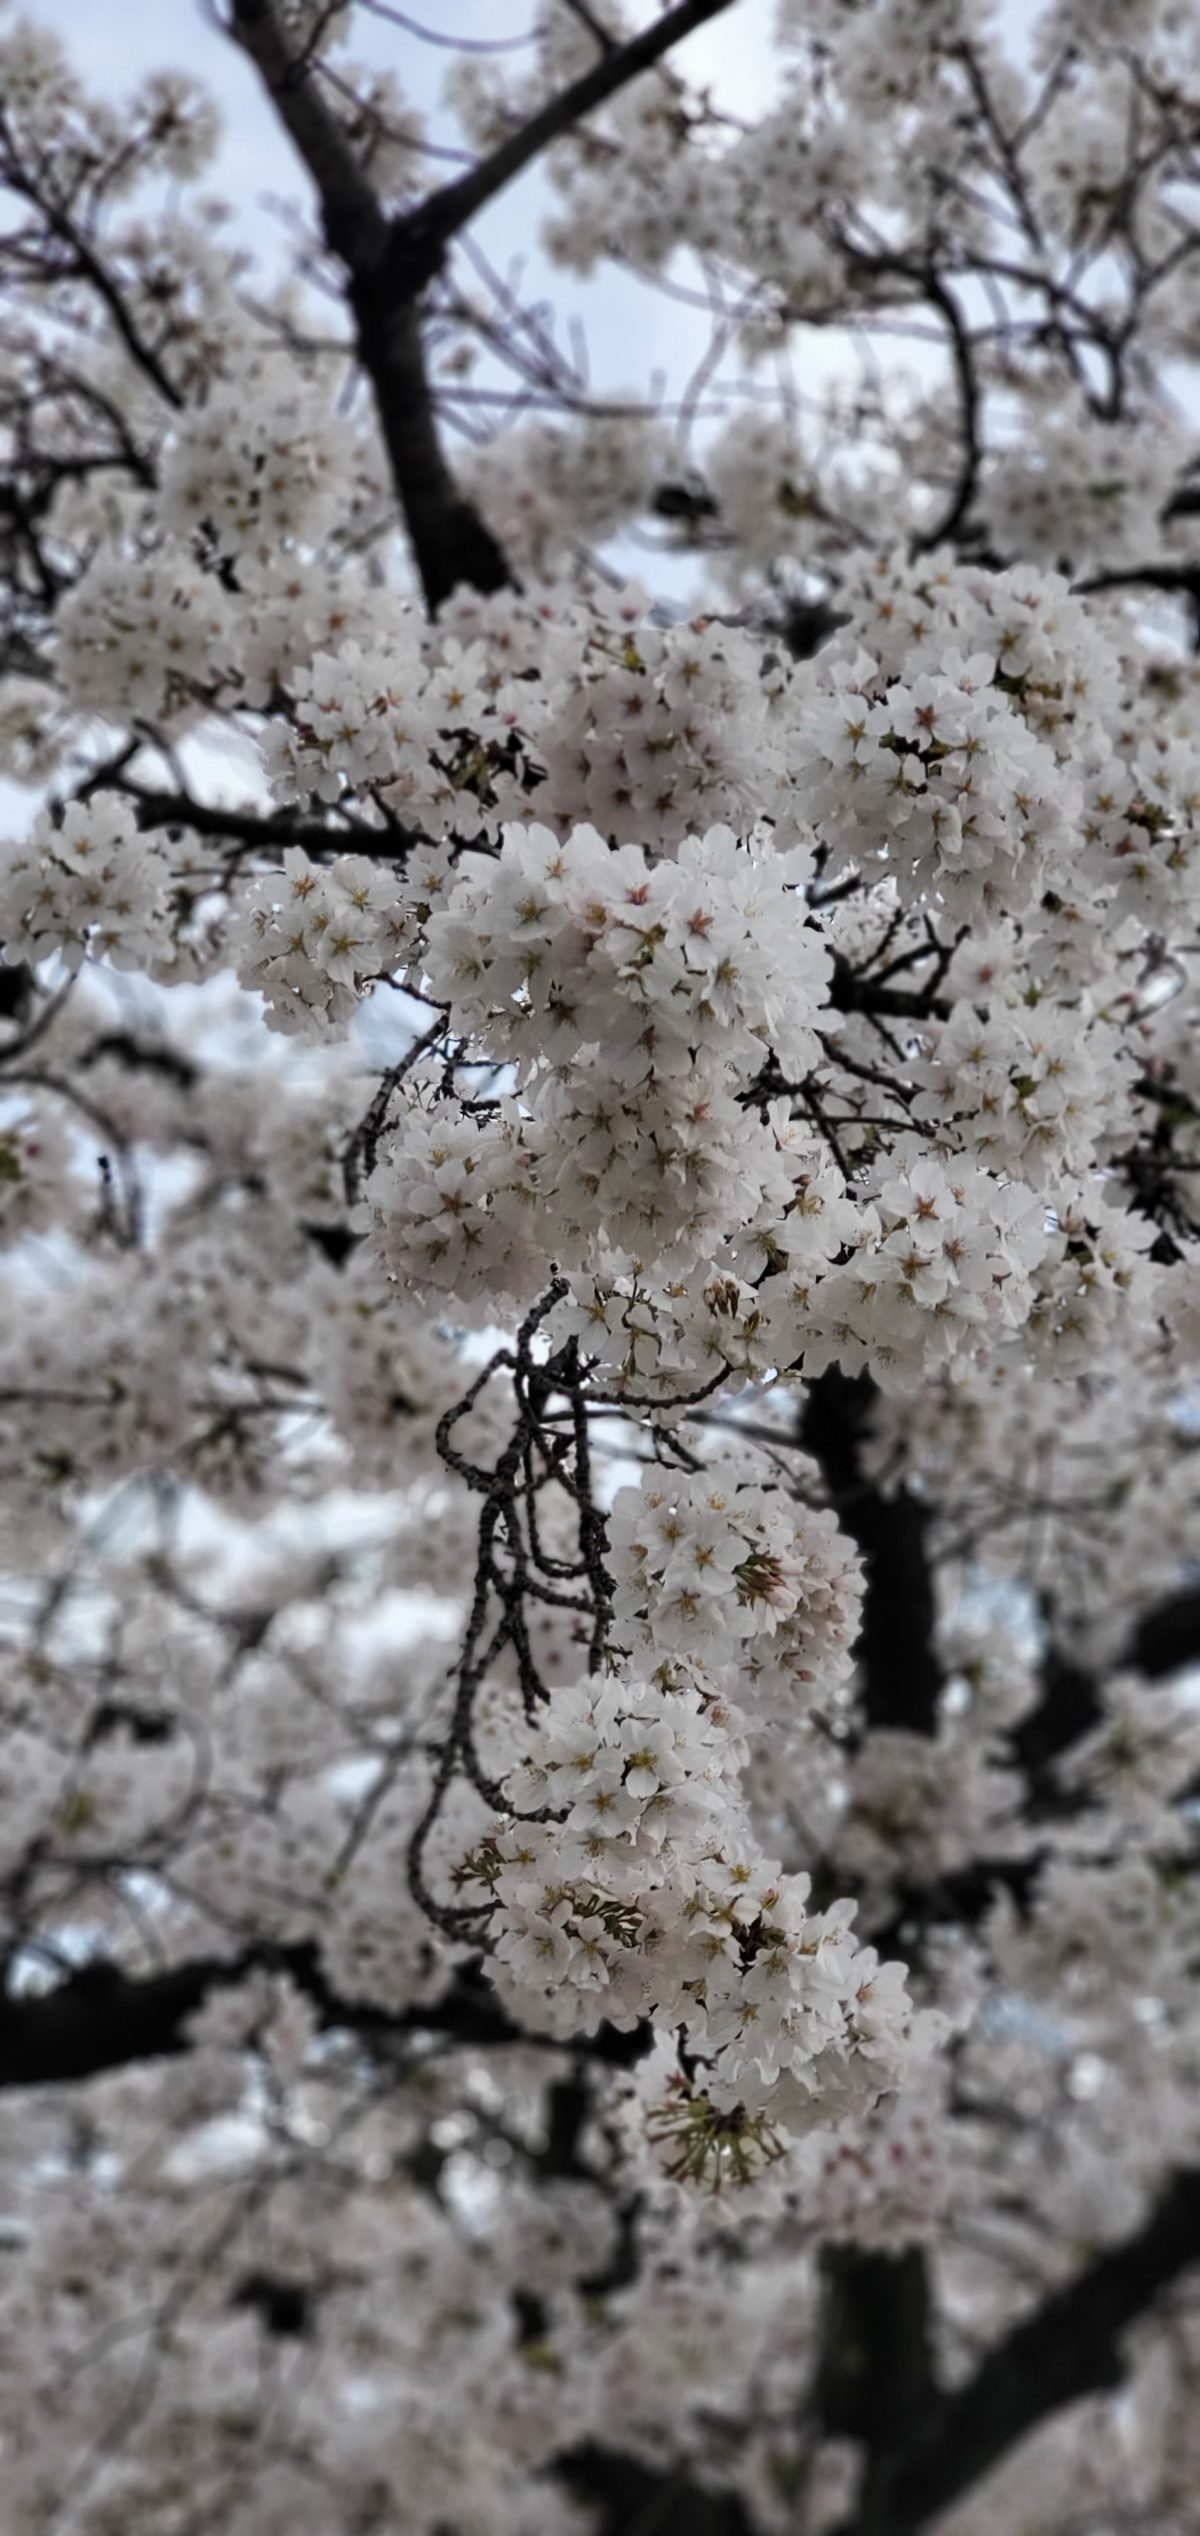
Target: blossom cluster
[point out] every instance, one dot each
(151, 642)
(456, 1206)
(256, 466)
(309, 937)
(87, 883)
(637, 1002)
(540, 487)
(1026, 1090)
(637, 1894)
(568, 710)
(938, 773)
(944, 1254)
(714, 1574)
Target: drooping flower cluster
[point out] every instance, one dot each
(565, 945)
(944, 1255)
(457, 1210)
(938, 772)
(641, 1896)
(740, 1582)
(312, 935)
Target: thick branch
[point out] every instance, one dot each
(389, 266)
(1069, 1707)
(850, 993)
(355, 224)
(450, 540)
(270, 830)
(101, 2018)
(390, 263)
(897, 1654)
(875, 2368)
(926, 2450)
(1168, 1637)
(963, 357)
(637, 2500)
(449, 211)
(1070, 2348)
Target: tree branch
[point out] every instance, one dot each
(632, 2499)
(1071, 2347)
(101, 2018)
(388, 268)
(963, 358)
(270, 830)
(390, 263)
(897, 1655)
(355, 224)
(86, 264)
(875, 2362)
(451, 541)
(1167, 1637)
(1069, 1707)
(450, 209)
(875, 2372)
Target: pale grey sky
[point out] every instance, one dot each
(630, 332)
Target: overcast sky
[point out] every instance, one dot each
(632, 333)
(628, 337)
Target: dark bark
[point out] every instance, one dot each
(850, 993)
(451, 542)
(1070, 2347)
(1069, 1707)
(99, 2019)
(638, 2500)
(390, 263)
(875, 2372)
(448, 211)
(1168, 1637)
(898, 1661)
(16, 990)
(102, 2018)
(924, 2449)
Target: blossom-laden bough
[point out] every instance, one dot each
(597, 1794)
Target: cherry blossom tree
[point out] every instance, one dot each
(599, 1118)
